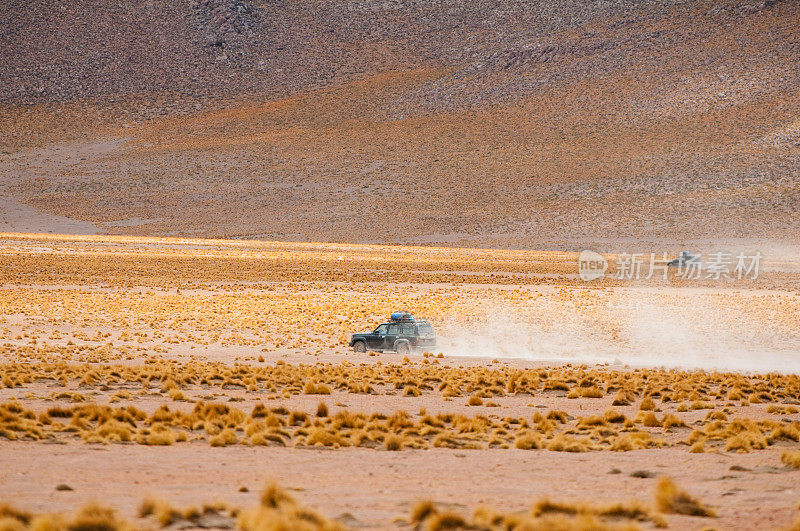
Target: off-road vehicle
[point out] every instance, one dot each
(402, 334)
(684, 259)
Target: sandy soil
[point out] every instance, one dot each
(375, 487)
(16, 216)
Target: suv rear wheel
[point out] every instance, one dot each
(403, 348)
(359, 346)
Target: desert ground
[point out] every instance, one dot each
(173, 379)
(201, 200)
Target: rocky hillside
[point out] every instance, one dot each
(97, 48)
(511, 123)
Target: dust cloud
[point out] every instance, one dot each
(649, 327)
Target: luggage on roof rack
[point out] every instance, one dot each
(401, 316)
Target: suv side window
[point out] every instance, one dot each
(393, 328)
(425, 330)
(381, 330)
(407, 330)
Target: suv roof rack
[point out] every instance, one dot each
(401, 316)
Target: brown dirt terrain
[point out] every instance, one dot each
(187, 369)
(560, 125)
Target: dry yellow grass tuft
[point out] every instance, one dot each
(316, 389)
(613, 416)
(226, 437)
(475, 401)
(782, 410)
(11, 515)
(791, 458)
(422, 510)
(671, 499)
(394, 443)
(279, 510)
(91, 517)
(528, 441)
(162, 511)
(647, 405)
(167, 516)
(698, 447)
(558, 431)
(544, 515)
(651, 421)
(276, 510)
(569, 443)
(635, 441)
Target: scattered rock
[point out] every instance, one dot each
(63, 486)
(732, 492)
(214, 40)
(771, 469)
(642, 474)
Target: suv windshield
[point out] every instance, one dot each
(381, 329)
(425, 330)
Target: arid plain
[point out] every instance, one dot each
(156, 375)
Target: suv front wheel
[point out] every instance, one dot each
(402, 348)
(359, 346)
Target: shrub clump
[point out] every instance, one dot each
(672, 499)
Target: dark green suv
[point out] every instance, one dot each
(402, 334)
